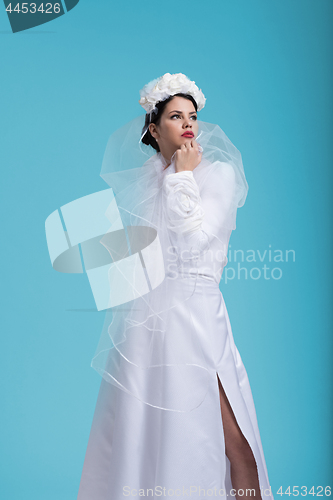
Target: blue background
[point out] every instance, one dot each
(265, 67)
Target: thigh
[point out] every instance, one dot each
(236, 445)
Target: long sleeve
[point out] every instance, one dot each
(196, 214)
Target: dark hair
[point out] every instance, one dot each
(156, 117)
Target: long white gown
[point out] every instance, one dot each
(139, 450)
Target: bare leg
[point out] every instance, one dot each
(243, 467)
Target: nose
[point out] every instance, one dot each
(187, 123)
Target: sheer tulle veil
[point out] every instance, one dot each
(154, 267)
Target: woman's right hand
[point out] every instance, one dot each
(188, 156)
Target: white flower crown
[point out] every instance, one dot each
(167, 85)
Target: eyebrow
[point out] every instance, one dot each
(177, 111)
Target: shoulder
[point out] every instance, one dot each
(215, 175)
(223, 168)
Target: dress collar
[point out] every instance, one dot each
(162, 165)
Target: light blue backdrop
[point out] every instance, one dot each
(265, 67)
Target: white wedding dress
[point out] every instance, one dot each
(140, 449)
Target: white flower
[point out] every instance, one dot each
(167, 85)
(182, 78)
(184, 210)
(175, 85)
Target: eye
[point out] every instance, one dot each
(194, 117)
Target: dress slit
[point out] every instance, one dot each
(228, 483)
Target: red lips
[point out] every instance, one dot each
(188, 134)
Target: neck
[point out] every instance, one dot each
(166, 160)
(167, 154)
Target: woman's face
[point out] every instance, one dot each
(178, 125)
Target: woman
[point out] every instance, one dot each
(175, 414)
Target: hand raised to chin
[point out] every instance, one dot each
(188, 156)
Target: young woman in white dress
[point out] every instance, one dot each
(181, 421)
